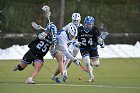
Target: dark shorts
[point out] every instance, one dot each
(28, 58)
(92, 53)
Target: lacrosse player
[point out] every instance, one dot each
(73, 47)
(89, 37)
(104, 33)
(39, 47)
(64, 39)
(37, 50)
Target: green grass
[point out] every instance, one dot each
(113, 76)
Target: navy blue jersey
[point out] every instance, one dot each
(40, 47)
(88, 39)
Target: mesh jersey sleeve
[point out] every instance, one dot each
(62, 42)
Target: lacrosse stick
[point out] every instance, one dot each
(83, 68)
(47, 11)
(78, 63)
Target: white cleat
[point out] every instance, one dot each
(53, 77)
(91, 80)
(30, 82)
(65, 78)
(65, 73)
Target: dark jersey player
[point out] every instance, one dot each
(89, 37)
(38, 48)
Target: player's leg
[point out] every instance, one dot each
(38, 63)
(75, 52)
(27, 59)
(57, 71)
(59, 58)
(86, 59)
(95, 62)
(20, 66)
(89, 67)
(94, 56)
(66, 62)
(60, 68)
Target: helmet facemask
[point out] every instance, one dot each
(89, 23)
(76, 18)
(72, 32)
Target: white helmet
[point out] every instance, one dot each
(76, 18)
(72, 30)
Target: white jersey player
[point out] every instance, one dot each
(73, 48)
(64, 39)
(76, 18)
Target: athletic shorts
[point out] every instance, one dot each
(28, 58)
(89, 52)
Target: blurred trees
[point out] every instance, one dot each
(117, 15)
(120, 17)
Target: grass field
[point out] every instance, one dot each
(113, 76)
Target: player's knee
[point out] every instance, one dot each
(86, 59)
(38, 66)
(20, 68)
(95, 62)
(59, 57)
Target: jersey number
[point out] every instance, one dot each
(42, 46)
(89, 41)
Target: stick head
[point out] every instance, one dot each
(37, 27)
(46, 8)
(47, 11)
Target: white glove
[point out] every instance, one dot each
(104, 35)
(103, 45)
(76, 61)
(42, 35)
(100, 41)
(76, 44)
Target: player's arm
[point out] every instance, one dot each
(64, 48)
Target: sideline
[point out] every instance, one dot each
(77, 85)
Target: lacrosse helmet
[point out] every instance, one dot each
(76, 18)
(72, 31)
(89, 20)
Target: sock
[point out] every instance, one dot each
(66, 63)
(30, 78)
(88, 66)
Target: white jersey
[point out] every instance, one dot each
(72, 47)
(63, 43)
